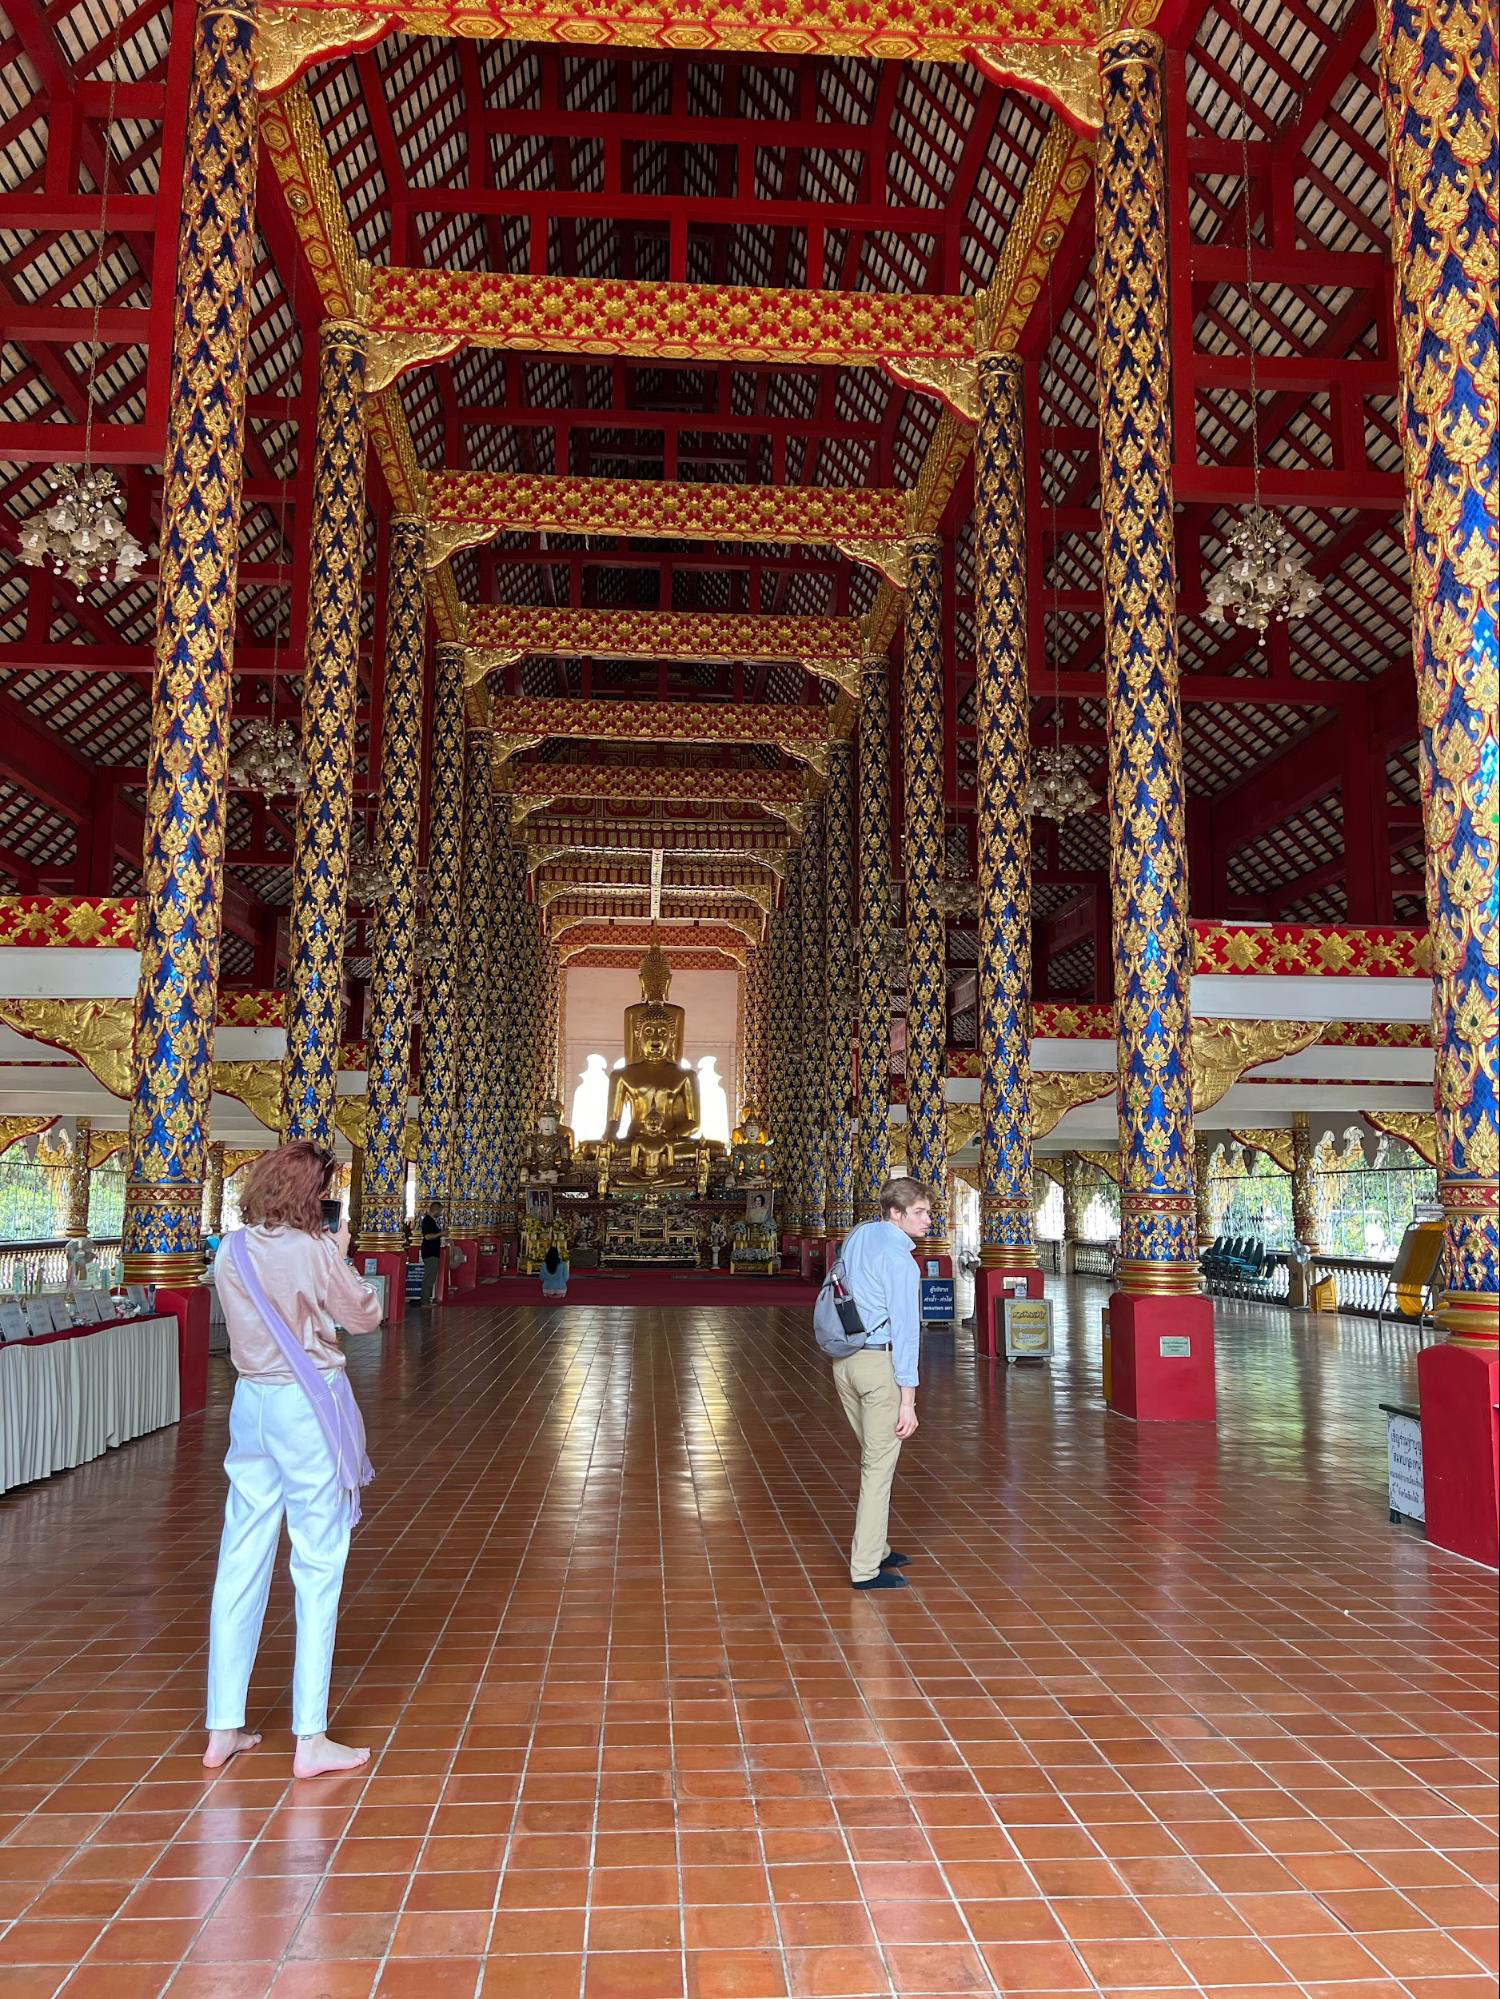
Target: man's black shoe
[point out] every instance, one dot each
(895, 1560)
(886, 1579)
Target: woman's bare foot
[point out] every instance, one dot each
(224, 1743)
(318, 1756)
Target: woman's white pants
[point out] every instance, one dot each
(278, 1462)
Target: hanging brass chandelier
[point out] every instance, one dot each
(82, 534)
(266, 758)
(1264, 581)
(370, 879)
(1058, 787)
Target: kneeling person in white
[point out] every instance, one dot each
(878, 1385)
(296, 1445)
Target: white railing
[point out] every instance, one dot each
(29, 1267)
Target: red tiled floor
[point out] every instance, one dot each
(1165, 1712)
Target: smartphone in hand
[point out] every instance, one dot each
(333, 1215)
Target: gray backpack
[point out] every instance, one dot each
(837, 1326)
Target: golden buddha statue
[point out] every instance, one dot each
(661, 1146)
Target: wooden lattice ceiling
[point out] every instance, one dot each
(734, 169)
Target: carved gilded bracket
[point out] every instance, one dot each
(888, 558)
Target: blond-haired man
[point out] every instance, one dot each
(878, 1385)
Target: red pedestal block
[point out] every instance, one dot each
(812, 1258)
(190, 1309)
(391, 1265)
(1457, 1389)
(465, 1275)
(1162, 1358)
(989, 1296)
(791, 1250)
(491, 1262)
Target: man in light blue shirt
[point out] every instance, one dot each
(878, 1385)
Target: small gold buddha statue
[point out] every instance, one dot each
(750, 1147)
(549, 1149)
(660, 1095)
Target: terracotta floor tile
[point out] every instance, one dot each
(635, 1741)
(735, 1974)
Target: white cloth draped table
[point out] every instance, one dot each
(70, 1398)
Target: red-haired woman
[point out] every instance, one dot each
(296, 1445)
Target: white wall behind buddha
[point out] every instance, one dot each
(594, 1022)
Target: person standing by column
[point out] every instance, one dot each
(877, 1386)
(296, 1446)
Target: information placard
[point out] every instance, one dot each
(937, 1299)
(14, 1324)
(39, 1313)
(1028, 1328)
(1403, 1442)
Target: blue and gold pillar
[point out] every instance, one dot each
(398, 829)
(753, 1080)
(1007, 1244)
(330, 698)
(445, 824)
(926, 924)
(514, 923)
(469, 1200)
(792, 1142)
(812, 1052)
(1159, 1285)
(187, 761)
(1439, 85)
(875, 931)
(842, 1002)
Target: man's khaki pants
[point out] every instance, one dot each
(866, 1383)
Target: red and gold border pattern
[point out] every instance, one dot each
(668, 321)
(635, 939)
(251, 1009)
(679, 957)
(68, 922)
(1331, 951)
(828, 647)
(714, 836)
(798, 731)
(569, 904)
(1043, 48)
(781, 791)
(467, 508)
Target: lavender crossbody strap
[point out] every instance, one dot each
(330, 1395)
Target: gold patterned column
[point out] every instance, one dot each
(926, 930)
(1003, 711)
(1438, 71)
(445, 819)
(562, 1083)
(1075, 1192)
(213, 1190)
(330, 699)
(838, 933)
(1307, 1209)
(876, 921)
(393, 955)
(470, 1201)
(202, 469)
(792, 1141)
(1148, 852)
(512, 1071)
(80, 1180)
(755, 1088)
(812, 1031)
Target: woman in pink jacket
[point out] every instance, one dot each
(296, 1445)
